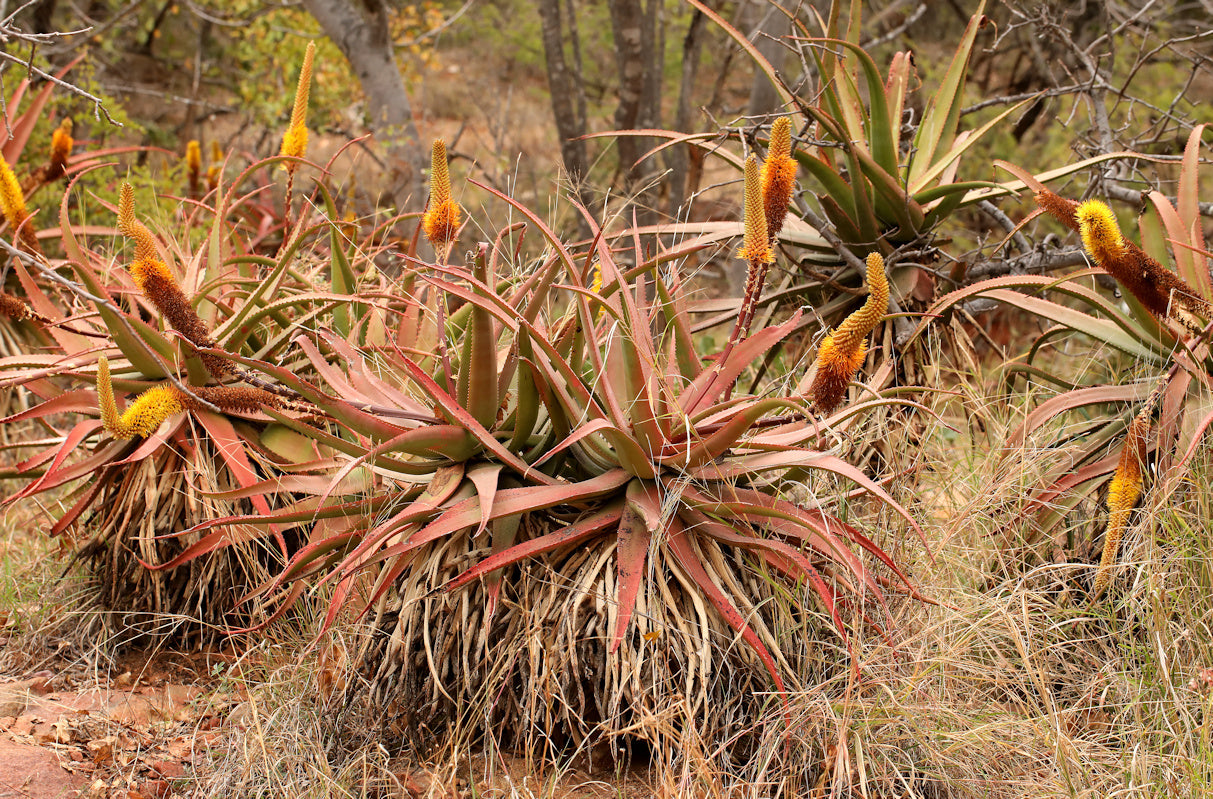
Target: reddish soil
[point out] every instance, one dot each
(129, 738)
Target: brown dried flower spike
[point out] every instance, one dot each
(159, 285)
(441, 220)
(843, 350)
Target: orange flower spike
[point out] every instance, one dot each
(61, 150)
(843, 351)
(1123, 493)
(441, 220)
(215, 166)
(294, 143)
(144, 416)
(778, 176)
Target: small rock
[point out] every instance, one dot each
(102, 749)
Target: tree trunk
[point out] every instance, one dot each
(772, 25)
(360, 29)
(638, 52)
(567, 92)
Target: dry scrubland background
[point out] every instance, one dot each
(1012, 681)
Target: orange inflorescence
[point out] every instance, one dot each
(842, 352)
(144, 416)
(61, 149)
(442, 215)
(1159, 289)
(294, 143)
(778, 176)
(1123, 493)
(193, 165)
(215, 166)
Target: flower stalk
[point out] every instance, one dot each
(778, 176)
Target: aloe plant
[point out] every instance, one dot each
(1160, 324)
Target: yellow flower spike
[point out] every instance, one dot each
(441, 220)
(193, 164)
(144, 416)
(1123, 493)
(843, 350)
(132, 228)
(105, 396)
(12, 205)
(61, 149)
(1100, 232)
(1159, 289)
(756, 244)
(294, 143)
(778, 176)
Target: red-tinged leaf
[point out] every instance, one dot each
(284, 604)
(640, 522)
(84, 502)
(509, 502)
(485, 477)
(684, 553)
(715, 444)
(1185, 259)
(69, 402)
(77, 434)
(462, 417)
(1096, 395)
(1188, 200)
(803, 568)
(231, 448)
(573, 534)
(713, 381)
(505, 533)
(20, 129)
(312, 485)
(1047, 496)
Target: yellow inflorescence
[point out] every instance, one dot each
(756, 244)
(193, 162)
(12, 199)
(842, 352)
(1123, 493)
(778, 176)
(132, 228)
(145, 414)
(151, 275)
(294, 143)
(442, 215)
(1100, 233)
